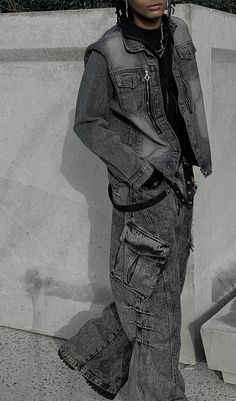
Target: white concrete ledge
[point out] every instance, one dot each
(219, 340)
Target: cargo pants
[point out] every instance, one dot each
(137, 337)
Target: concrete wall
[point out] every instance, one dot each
(55, 214)
(213, 277)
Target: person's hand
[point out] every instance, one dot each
(193, 180)
(154, 180)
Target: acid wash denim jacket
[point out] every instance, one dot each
(120, 115)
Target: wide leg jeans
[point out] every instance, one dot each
(137, 337)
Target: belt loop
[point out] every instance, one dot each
(190, 188)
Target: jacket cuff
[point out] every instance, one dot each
(142, 175)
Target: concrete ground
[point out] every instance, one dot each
(30, 370)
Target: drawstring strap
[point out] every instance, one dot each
(191, 189)
(133, 207)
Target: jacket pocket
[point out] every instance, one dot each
(140, 259)
(130, 89)
(120, 190)
(186, 53)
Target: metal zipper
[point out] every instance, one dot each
(147, 85)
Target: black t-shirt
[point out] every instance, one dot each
(151, 38)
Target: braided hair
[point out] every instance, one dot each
(121, 10)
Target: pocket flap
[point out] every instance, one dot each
(128, 79)
(144, 243)
(186, 51)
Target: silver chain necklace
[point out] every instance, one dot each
(162, 49)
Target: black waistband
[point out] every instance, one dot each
(134, 207)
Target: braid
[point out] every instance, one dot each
(171, 7)
(121, 10)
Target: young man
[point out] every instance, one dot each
(140, 109)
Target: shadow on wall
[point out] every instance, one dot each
(87, 175)
(224, 282)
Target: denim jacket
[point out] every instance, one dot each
(120, 115)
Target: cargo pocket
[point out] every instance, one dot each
(140, 259)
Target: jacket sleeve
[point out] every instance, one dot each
(91, 124)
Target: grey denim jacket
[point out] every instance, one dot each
(120, 115)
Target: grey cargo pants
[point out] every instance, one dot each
(137, 337)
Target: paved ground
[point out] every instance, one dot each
(30, 370)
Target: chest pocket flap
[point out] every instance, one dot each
(128, 79)
(186, 51)
(130, 89)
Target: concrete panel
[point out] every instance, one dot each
(213, 277)
(55, 214)
(219, 339)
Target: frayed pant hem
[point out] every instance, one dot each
(95, 382)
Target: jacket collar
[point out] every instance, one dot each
(132, 37)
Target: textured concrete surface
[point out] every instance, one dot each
(214, 273)
(31, 370)
(55, 213)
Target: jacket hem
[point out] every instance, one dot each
(142, 175)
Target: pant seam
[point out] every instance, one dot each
(118, 331)
(139, 347)
(168, 302)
